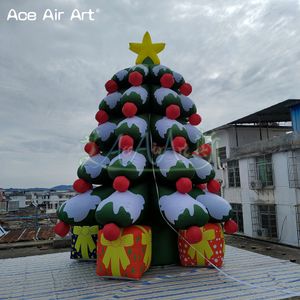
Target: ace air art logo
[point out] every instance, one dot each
(53, 15)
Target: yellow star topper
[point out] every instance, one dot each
(147, 49)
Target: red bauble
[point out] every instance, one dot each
(111, 232)
(205, 150)
(129, 110)
(101, 116)
(173, 111)
(193, 234)
(230, 227)
(213, 186)
(184, 185)
(167, 80)
(185, 89)
(126, 142)
(91, 149)
(121, 184)
(179, 143)
(201, 186)
(81, 186)
(111, 86)
(62, 228)
(135, 78)
(195, 119)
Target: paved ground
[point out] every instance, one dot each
(245, 275)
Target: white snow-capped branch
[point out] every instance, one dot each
(175, 204)
(126, 157)
(140, 123)
(94, 165)
(78, 207)
(132, 203)
(169, 159)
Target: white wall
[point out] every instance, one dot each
(286, 225)
(21, 199)
(249, 135)
(282, 195)
(246, 135)
(285, 200)
(219, 139)
(242, 195)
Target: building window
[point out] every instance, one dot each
(13, 205)
(237, 211)
(221, 155)
(233, 173)
(298, 222)
(264, 170)
(261, 173)
(294, 170)
(264, 222)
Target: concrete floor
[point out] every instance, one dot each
(233, 257)
(244, 276)
(257, 246)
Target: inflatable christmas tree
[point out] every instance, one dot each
(147, 184)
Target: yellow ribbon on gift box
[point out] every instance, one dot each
(115, 253)
(202, 247)
(146, 241)
(85, 240)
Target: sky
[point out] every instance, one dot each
(239, 56)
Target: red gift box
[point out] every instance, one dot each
(128, 256)
(211, 248)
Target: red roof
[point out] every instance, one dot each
(27, 234)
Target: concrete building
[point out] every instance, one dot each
(10, 204)
(56, 199)
(50, 200)
(257, 159)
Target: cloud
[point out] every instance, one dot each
(239, 56)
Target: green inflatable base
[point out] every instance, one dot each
(164, 246)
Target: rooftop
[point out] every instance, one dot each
(27, 234)
(279, 112)
(245, 275)
(281, 143)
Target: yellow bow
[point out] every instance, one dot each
(115, 253)
(146, 240)
(202, 247)
(84, 239)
